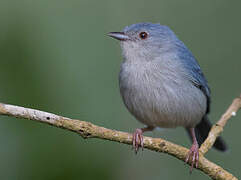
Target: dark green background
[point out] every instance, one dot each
(55, 56)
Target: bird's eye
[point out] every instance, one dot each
(143, 35)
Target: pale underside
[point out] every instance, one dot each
(166, 98)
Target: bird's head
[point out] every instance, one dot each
(145, 41)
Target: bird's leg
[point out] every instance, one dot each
(137, 138)
(194, 151)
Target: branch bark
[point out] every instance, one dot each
(89, 130)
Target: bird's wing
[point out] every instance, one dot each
(194, 73)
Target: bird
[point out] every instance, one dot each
(162, 85)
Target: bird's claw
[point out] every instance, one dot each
(137, 140)
(194, 153)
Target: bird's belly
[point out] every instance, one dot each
(163, 102)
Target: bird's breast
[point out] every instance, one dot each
(159, 95)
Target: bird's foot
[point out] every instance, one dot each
(137, 140)
(194, 154)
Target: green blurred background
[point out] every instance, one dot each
(55, 56)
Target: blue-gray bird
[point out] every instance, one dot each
(162, 84)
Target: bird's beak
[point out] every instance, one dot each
(119, 35)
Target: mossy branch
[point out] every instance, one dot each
(89, 130)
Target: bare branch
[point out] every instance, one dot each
(89, 130)
(218, 127)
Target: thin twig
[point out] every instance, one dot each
(218, 127)
(89, 130)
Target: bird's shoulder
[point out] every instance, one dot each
(194, 72)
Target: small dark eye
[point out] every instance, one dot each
(143, 35)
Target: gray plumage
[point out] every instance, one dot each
(157, 78)
(160, 81)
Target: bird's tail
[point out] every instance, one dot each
(202, 129)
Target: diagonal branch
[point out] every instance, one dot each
(218, 127)
(89, 130)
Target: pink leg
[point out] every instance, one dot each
(194, 151)
(137, 138)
